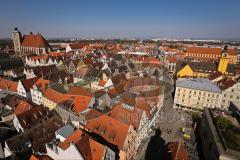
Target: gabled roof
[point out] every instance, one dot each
(92, 114)
(55, 96)
(73, 138)
(204, 50)
(197, 66)
(88, 147)
(36, 40)
(42, 84)
(142, 103)
(126, 116)
(8, 85)
(74, 90)
(28, 83)
(22, 107)
(81, 103)
(30, 116)
(110, 129)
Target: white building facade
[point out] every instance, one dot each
(195, 94)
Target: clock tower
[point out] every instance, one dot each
(224, 61)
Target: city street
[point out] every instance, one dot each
(167, 129)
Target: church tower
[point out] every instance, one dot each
(17, 39)
(224, 60)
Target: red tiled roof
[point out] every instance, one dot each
(93, 114)
(78, 45)
(143, 104)
(8, 85)
(72, 138)
(204, 50)
(22, 107)
(30, 116)
(55, 96)
(28, 83)
(42, 84)
(110, 129)
(172, 59)
(126, 116)
(231, 51)
(39, 57)
(56, 54)
(74, 90)
(37, 40)
(90, 149)
(81, 103)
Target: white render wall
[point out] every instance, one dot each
(36, 96)
(196, 99)
(70, 153)
(231, 94)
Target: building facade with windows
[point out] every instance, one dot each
(231, 93)
(195, 94)
(29, 44)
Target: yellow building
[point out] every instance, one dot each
(195, 69)
(223, 63)
(52, 98)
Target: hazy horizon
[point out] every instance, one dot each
(217, 19)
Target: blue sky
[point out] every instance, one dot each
(122, 18)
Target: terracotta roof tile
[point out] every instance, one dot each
(74, 90)
(55, 96)
(22, 107)
(126, 116)
(81, 103)
(90, 149)
(204, 50)
(8, 85)
(42, 84)
(56, 54)
(28, 83)
(78, 45)
(73, 138)
(35, 41)
(110, 129)
(92, 114)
